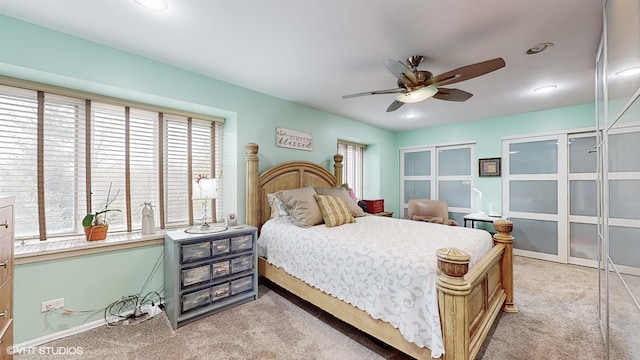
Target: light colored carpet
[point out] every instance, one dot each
(555, 322)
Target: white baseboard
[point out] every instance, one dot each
(152, 310)
(61, 334)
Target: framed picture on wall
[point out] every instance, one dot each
(489, 167)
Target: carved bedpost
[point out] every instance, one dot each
(337, 168)
(454, 311)
(252, 205)
(503, 236)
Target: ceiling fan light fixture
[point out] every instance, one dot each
(417, 95)
(158, 5)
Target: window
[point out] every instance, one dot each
(62, 154)
(353, 158)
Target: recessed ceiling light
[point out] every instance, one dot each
(545, 89)
(538, 48)
(629, 72)
(159, 5)
(410, 116)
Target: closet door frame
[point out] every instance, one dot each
(582, 219)
(560, 176)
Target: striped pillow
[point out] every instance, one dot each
(334, 210)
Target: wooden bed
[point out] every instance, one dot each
(469, 300)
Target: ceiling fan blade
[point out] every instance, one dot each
(395, 105)
(402, 72)
(452, 94)
(467, 72)
(376, 92)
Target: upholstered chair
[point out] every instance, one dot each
(434, 211)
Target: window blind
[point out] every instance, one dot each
(64, 154)
(202, 161)
(108, 162)
(353, 158)
(144, 163)
(64, 144)
(176, 160)
(18, 135)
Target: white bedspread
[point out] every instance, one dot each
(384, 266)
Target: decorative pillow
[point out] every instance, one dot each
(340, 192)
(350, 191)
(301, 206)
(334, 210)
(278, 210)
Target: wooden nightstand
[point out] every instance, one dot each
(384, 213)
(208, 273)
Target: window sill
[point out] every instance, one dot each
(31, 251)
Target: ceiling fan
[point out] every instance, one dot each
(418, 85)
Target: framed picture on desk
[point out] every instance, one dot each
(489, 167)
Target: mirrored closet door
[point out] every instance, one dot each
(618, 225)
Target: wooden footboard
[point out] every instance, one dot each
(469, 302)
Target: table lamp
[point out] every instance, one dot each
(479, 201)
(204, 189)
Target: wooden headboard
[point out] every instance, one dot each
(284, 176)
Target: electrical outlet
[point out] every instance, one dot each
(52, 304)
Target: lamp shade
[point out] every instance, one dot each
(417, 95)
(204, 189)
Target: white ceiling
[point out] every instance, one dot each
(314, 51)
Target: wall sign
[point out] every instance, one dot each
(293, 139)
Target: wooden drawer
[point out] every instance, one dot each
(241, 264)
(220, 269)
(195, 252)
(242, 243)
(196, 275)
(219, 292)
(196, 299)
(5, 304)
(6, 258)
(6, 220)
(220, 247)
(241, 285)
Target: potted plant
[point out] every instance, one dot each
(95, 224)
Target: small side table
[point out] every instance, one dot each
(480, 218)
(384, 213)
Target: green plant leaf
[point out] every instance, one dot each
(88, 219)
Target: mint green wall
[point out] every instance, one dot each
(488, 135)
(37, 54)
(87, 283)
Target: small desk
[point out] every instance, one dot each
(479, 217)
